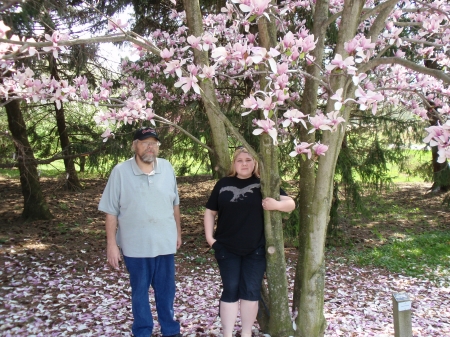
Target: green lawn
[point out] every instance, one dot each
(420, 255)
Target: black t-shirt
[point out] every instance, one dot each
(240, 225)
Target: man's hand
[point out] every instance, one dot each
(113, 256)
(112, 250)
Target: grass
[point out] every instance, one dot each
(383, 210)
(54, 170)
(426, 254)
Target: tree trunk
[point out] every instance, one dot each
(280, 323)
(35, 206)
(310, 320)
(209, 99)
(82, 163)
(73, 184)
(441, 171)
(307, 173)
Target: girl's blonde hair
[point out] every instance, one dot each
(239, 150)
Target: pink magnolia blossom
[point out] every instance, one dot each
(445, 110)
(32, 50)
(256, 7)
(339, 99)
(148, 115)
(282, 81)
(239, 51)
(58, 98)
(310, 60)
(107, 134)
(365, 44)
(350, 46)
(55, 38)
(335, 119)
(301, 148)
(434, 132)
(174, 67)
(294, 116)
(229, 10)
(249, 103)
(116, 24)
(289, 40)
(102, 118)
(219, 54)
(3, 29)
(281, 95)
(320, 149)
(319, 122)
(444, 154)
(149, 96)
(80, 81)
(339, 63)
(208, 41)
(307, 44)
(266, 125)
(208, 72)
(107, 84)
(167, 54)
(266, 105)
(273, 52)
(186, 83)
(282, 68)
(195, 42)
(258, 54)
(369, 98)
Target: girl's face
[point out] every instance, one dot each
(244, 165)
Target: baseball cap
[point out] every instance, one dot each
(145, 133)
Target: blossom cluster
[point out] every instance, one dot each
(235, 56)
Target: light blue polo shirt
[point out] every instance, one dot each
(144, 205)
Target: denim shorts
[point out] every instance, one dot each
(241, 275)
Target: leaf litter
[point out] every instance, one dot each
(55, 280)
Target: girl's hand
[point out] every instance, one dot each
(270, 204)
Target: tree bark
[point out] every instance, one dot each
(310, 320)
(280, 323)
(209, 99)
(73, 184)
(307, 167)
(441, 171)
(35, 207)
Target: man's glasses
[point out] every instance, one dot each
(150, 144)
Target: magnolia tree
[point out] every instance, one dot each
(306, 81)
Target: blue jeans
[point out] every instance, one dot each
(159, 272)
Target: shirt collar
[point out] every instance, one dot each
(137, 171)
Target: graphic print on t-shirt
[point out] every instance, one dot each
(239, 193)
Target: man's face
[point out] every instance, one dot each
(147, 150)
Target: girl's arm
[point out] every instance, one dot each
(285, 204)
(209, 220)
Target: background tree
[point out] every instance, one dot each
(35, 206)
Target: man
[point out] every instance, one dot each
(141, 203)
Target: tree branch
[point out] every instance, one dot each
(407, 64)
(166, 121)
(130, 37)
